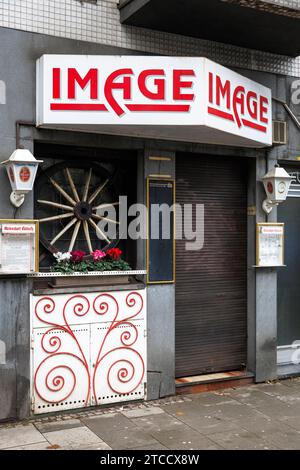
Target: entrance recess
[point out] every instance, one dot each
(211, 284)
(288, 292)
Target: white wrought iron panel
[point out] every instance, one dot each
(60, 365)
(118, 354)
(87, 349)
(78, 309)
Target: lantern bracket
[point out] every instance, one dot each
(267, 206)
(17, 199)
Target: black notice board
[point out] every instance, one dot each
(160, 250)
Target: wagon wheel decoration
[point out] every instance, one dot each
(68, 197)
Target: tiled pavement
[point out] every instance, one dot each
(265, 416)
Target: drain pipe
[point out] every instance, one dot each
(288, 110)
(18, 125)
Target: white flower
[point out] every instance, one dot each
(62, 256)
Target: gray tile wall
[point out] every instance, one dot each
(99, 23)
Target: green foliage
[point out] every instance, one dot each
(86, 266)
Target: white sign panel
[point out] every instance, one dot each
(270, 241)
(18, 247)
(186, 98)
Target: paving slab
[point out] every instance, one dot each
(235, 411)
(37, 446)
(19, 435)
(189, 409)
(213, 398)
(133, 437)
(285, 441)
(274, 389)
(282, 392)
(185, 438)
(268, 405)
(279, 410)
(205, 420)
(262, 425)
(99, 446)
(58, 425)
(292, 422)
(242, 440)
(75, 437)
(208, 426)
(159, 422)
(157, 446)
(118, 431)
(108, 423)
(252, 397)
(143, 411)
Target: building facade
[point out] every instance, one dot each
(219, 313)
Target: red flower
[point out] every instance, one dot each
(98, 254)
(114, 253)
(77, 256)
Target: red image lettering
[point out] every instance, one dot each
(56, 83)
(178, 83)
(263, 109)
(222, 90)
(90, 78)
(252, 104)
(238, 99)
(124, 85)
(158, 82)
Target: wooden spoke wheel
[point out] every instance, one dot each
(68, 196)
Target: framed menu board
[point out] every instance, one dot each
(270, 244)
(160, 249)
(19, 241)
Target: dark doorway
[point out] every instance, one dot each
(211, 284)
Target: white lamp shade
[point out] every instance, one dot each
(21, 169)
(277, 183)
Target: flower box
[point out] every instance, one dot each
(100, 280)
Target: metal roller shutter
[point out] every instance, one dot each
(211, 284)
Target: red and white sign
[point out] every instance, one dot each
(18, 228)
(182, 98)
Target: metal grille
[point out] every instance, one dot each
(87, 349)
(279, 132)
(211, 290)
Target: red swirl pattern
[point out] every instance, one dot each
(54, 342)
(127, 370)
(132, 299)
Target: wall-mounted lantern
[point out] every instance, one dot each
(21, 168)
(276, 183)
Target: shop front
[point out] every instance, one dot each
(114, 314)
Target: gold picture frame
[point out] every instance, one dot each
(276, 231)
